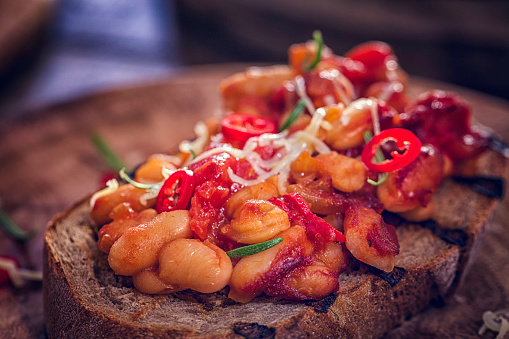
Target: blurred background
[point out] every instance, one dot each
(53, 51)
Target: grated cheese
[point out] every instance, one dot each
(152, 194)
(196, 146)
(301, 92)
(292, 146)
(224, 148)
(112, 186)
(360, 105)
(342, 85)
(496, 321)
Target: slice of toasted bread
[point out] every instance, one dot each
(83, 298)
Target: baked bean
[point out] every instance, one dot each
(257, 221)
(190, 263)
(138, 248)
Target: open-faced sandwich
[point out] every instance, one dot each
(324, 202)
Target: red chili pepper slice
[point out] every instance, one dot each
(240, 127)
(405, 140)
(176, 192)
(4, 275)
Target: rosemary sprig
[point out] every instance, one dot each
(297, 111)
(14, 230)
(109, 156)
(253, 249)
(317, 37)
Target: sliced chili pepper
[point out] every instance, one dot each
(176, 192)
(241, 127)
(298, 211)
(405, 140)
(4, 274)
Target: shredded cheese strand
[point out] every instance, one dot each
(112, 186)
(292, 147)
(496, 321)
(341, 84)
(359, 105)
(223, 149)
(390, 89)
(196, 146)
(301, 92)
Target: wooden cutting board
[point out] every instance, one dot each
(47, 162)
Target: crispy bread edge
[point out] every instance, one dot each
(369, 309)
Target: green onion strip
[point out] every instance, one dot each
(253, 249)
(136, 184)
(299, 108)
(317, 36)
(297, 111)
(14, 230)
(379, 157)
(109, 156)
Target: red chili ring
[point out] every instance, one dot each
(241, 127)
(404, 139)
(176, 192)
(4, 274)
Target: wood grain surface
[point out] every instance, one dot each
(47, 162)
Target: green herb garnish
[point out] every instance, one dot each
(14, 230)
(136, 184)
(317, 37)
(294, 115)
(379, 157)
(109, 156)
(253, 249)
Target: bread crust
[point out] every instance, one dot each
(84, 299)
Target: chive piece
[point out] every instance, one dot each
(253, 249)
(109, 156)
(379, 157)
(136, 184)
(294, 115)
(317, 36)
(13, 230)
(193, 153)
(381, 179)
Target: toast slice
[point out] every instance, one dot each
(83, 298)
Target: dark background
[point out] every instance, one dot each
(88, 46)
